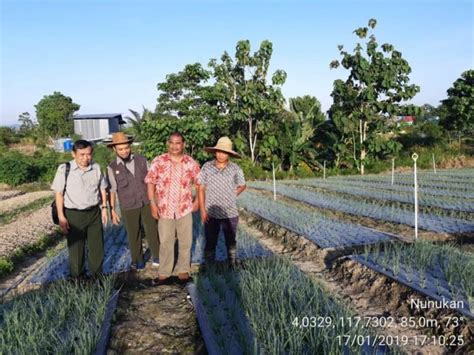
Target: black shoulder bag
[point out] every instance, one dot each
(54, 208)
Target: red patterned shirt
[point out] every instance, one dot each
(173, 184)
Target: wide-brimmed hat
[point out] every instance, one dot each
(224, 144)
(118, 138)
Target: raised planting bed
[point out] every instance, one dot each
(442, 273)
(457, 187)
(116, 258)
(373, 209)
(269, 306)
(446, 202)
(246, 247)
(117, 254)
(63, 318)
(323, 231)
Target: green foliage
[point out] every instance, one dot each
(26, 124)
(63, 318)
(252, 171)
(103, 155)
(16, 168)
(155, 135)
(6, 266)
(250, 102)
(8, 136)
(459, 106)
(54, 113)
(425, 134)
(136, 121)
(377, 84)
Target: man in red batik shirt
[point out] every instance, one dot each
(170, 180)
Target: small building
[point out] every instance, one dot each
(97, 127)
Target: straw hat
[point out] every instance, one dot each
(224, 144)
(119, 138)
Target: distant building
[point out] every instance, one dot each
(406, 120)
(97, 127)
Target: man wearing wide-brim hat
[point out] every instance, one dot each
(220, 182)
(127, 181)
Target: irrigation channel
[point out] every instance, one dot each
(310, 280)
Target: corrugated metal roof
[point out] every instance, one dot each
(100, 116)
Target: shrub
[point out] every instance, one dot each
(16, 168)
(251, 171)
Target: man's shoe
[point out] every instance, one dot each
(184, 281)
(155, 262)
(161, 282)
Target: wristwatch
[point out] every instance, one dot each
(104, 207)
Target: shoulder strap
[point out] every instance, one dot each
(68, 167)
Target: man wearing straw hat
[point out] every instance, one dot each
(220, 182)
(127, 181)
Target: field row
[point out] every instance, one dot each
(380, 193)
(373, 209)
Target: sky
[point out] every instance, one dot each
(109, 55)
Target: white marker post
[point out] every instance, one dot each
(274, 183)
(434, 163)
(393, 170)
(415, 157)
(324, 170)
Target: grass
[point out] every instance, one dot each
(12, 215)
(63, 318)
(7, 264)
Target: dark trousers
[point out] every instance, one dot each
(133, 219)
(85, 226)
(212, 228)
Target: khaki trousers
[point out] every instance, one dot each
(169, 230)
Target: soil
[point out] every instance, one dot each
(4, 195)
(26, 230)
(365, 291)
(153, 319)
(18, 201)
(17, 282)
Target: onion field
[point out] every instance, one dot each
(278, 298)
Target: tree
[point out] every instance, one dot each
(363, 105)
(295, 130)
(459, 106)
(245, 96)
(26, 124)
(155, 134)
(137, 120)
(54, 114)
(308, 108)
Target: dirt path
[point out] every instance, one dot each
(154, 319)
(19, 201)
(368, 293)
